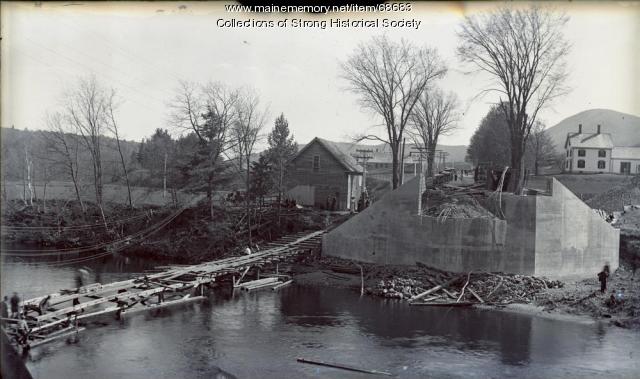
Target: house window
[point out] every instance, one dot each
(580, 162)
(602, 154)
(316, 163)
(567, 153)
(581, 153)
(601, 164)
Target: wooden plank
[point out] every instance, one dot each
(42, 342)
(434, 289)
(437, 304)
(281, 285)
(475, 294)
(343, 367)
(427, 300)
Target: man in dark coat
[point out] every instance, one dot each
(15, 303)
(602, 277)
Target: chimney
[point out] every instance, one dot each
(579, 128)
(598, 128)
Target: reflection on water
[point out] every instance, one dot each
(260, 335)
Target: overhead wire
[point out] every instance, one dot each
(145, 233)
(74, 250)
(73, 227)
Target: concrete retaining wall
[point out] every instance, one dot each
(391, 232)
(538, 235)
(571, 239)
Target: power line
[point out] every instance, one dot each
(91, 69)
(127, 239)
(73, 227)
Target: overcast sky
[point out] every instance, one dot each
(143, 50)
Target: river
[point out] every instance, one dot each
(260, 335)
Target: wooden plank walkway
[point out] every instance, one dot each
(44, 318)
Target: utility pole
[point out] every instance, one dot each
(362, 156)
(402, 162)
(164, 183)
(421, 153)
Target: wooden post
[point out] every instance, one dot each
(164, 182)
(361, 279)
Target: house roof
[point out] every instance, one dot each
(346, 160)
(589, 140)
(625, 153)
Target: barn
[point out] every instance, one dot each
(320, 172)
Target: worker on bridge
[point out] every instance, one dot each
(15, 305)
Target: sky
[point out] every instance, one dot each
(143, 50)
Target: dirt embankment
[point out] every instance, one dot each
(191, 235)
(64, 224)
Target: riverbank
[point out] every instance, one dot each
(578, 300)
(184, 236)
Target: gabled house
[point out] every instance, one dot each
(588, 152)
(595, 152)
(320, 172)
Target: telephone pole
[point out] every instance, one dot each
(362, 156)
(420, 153)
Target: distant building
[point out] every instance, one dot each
(625, 160)
(595, 152)
(320, 172)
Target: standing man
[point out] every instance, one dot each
(602, 277)
(5, 308)
(15, 303)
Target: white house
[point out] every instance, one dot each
(595, 152)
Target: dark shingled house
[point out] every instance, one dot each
(321, 171)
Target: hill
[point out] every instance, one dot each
(624, 128)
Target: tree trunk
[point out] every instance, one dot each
(247, 200)
(517, 160)
(431, 158)
(395, 175)
(279, 193)
(75, 185)
(44, 198)
(126, 175)
(210, 194)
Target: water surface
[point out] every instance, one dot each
(260, 335)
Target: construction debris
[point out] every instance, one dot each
(454, 202)
(616, 198)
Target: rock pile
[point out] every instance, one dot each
(616, 198)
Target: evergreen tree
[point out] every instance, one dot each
(282, 147)
(261, 178)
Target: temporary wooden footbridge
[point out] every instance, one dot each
(58, 315)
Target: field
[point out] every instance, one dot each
(585, 186)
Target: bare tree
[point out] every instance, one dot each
(434, 115)
(246, 132)
(113, 127)
(87, 111)
(540, 148)
(523, 50)
(63, 148)
(27, 177)
(208, 112)
(389, 78)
